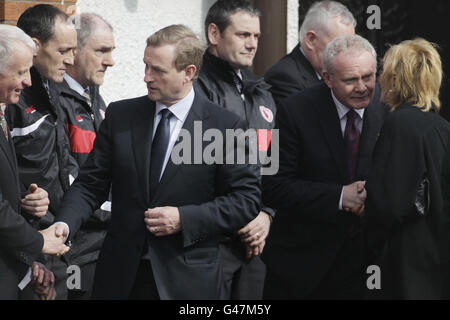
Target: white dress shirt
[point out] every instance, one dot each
(342, 112)
(74, 85)
(179, 112)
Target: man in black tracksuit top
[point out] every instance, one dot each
(224, 80)
(37, 130)
(84, 110)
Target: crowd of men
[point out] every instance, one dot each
(102, 180)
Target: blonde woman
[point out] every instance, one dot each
(404, 199)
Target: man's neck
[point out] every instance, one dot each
(73, 75)
(212, 50)
(183, 94)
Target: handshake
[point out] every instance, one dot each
(353, 197)
(36, 204)
(54, 238)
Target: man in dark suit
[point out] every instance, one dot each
(167, 218)
(327, 134)
(20, 243)
(302, 68)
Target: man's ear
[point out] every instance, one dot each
(327, 78)
(190, 71)
(38, 45)
(213, 33)
(310, 38)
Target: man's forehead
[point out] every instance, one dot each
(102, 38)
(352, 56)
(63, 30)
(160, 55)
(245, 21)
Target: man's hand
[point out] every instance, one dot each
(36, 201)
(54, 238)
(353, 197)
(43, 281)
(255, 250)
(163, 221)
(256, 231)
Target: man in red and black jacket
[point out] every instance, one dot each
(84, 110)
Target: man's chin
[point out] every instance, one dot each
(13, 100)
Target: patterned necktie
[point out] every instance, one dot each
(3, 123)
(159, 148)
(88, 97)
(238, 84)
(351, 138)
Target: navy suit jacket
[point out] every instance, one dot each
(213, 200)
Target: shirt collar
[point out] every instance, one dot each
(73, 84)
(181, 108)
(239, 74)
(342, 110)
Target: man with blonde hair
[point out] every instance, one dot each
(302, 68)
(167, 218)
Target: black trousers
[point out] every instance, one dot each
(345, 279)
(244, 279)
(144, 287)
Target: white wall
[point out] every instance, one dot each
(292, 24)
(134, 20)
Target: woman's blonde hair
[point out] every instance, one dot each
(412, 72)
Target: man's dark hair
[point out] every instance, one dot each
(39, 21)
(222, 10)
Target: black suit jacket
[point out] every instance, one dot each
(309, 230)
(213, 200)
(20, 244)
(293, 73)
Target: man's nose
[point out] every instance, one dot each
(252, 42)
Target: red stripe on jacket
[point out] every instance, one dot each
(81, 141)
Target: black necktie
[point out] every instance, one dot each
(159, 148)
(351, 137)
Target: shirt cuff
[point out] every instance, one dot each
(340, 199)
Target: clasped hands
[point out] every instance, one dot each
(254, 234)
(353, 197)
(36, 203)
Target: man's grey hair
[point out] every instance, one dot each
(86, 24)
(342, 44)
(321, 13)
(9, 36)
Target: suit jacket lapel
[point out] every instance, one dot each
(331, 127)
(142, 131)
(197, 113)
